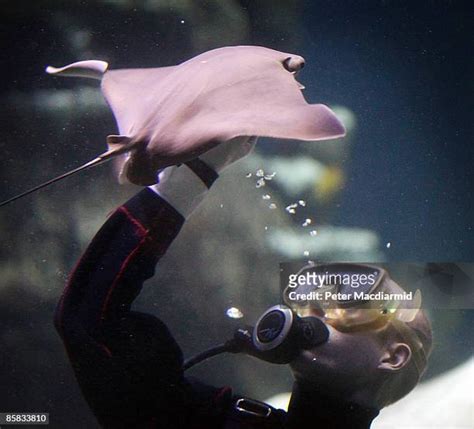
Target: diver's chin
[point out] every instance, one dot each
(304, 362)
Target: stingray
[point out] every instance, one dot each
(170, 115)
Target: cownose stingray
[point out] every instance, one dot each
(170, 115)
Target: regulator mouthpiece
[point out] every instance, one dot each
(280, 335)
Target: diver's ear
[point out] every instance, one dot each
(395, 357)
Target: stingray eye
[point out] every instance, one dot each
(293, 64)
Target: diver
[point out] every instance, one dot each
(131, 370)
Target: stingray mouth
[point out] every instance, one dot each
(294, 64)
(140, 170)
(139, 166)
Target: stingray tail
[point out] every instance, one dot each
(121, 146)
(114, 151)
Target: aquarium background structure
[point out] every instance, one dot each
(397, 188)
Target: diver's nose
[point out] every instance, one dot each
(294, 64)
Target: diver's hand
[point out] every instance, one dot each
(182, 188)
(225, 154)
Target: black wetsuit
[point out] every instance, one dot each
(129, 366)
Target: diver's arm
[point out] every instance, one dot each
(125, 362)
(122, 255)
(122, 358)
(125, 251)
(128, 365)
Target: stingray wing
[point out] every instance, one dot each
(236, 94)
(269, 104)
(132, 93)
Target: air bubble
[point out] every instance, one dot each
(260, 183)
(302, 203)
(313, 233)
(307, 222)
(266, 197)
(272, 206)
(260, 173)
(234, 313)
(269, 176)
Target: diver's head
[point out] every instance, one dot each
(373, 356)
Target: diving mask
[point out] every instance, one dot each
(355, 297)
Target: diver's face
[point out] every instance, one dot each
(346, 363)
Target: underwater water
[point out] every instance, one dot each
(397, 188)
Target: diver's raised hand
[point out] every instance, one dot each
(185, 186)
(225, 154)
